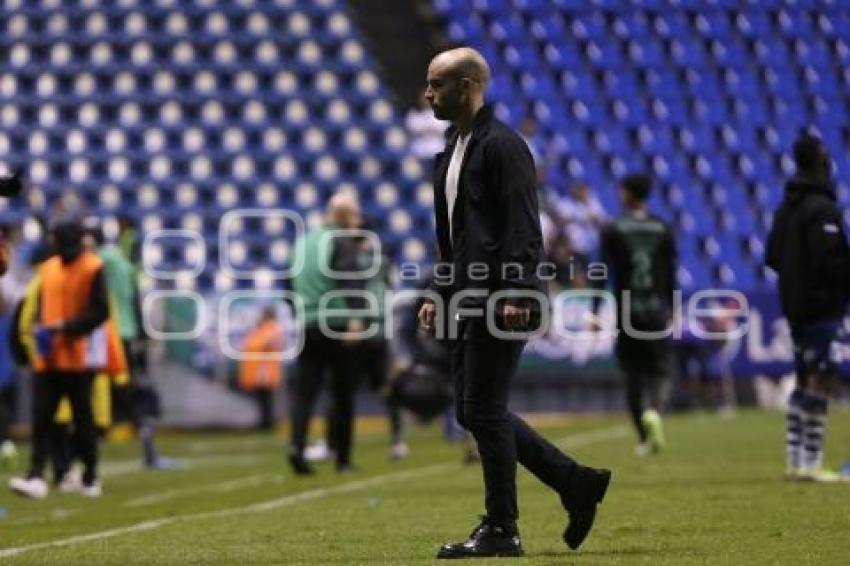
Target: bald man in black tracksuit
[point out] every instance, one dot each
(487, 215)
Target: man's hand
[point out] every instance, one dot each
(516, 318)
(44, 337)
(355, 327)
(593, 323)
(55, 327)
(5, 255)
(427, 315)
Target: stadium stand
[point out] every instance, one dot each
(182, 111)
(186, 110)
(708, 96)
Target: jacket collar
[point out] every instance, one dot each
(800, 187)
(480, 124)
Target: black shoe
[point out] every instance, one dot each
(471, 456)
(588, 490)
(485, 541)
(300, 465)
(347, 469)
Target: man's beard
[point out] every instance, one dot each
(440, 113)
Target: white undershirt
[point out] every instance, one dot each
(453, 174)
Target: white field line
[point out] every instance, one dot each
(232, 511)
(581, 439)
(570, 441)
(124, 467)
(55, 515)
(220, 487)
(241, 483)
(233, 445)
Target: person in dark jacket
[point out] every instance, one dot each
(807, 248)
(9, 187)
(489, 237)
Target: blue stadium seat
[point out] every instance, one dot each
(188, 112)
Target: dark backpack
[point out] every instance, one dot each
(424, 391)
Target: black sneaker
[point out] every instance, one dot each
(300, 465)
(587, 491)
(485, 541)
(347, 469)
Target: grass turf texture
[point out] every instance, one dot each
(715, 497)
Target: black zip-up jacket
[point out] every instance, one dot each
(495, 221)
(807, 247)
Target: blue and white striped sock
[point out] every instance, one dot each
(794, 431)
(814, 429)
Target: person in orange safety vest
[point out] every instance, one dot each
(72, 344)
(261, 370)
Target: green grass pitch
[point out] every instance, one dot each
(715, 497)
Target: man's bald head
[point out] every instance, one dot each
(343, 210)
(457, 80)
(465, 63)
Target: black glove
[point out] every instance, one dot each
(10, 186)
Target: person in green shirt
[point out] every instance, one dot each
(371, 358)
(318, 250)
(128, 241)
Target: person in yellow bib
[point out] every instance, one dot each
(135, 399)
(71, 345)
